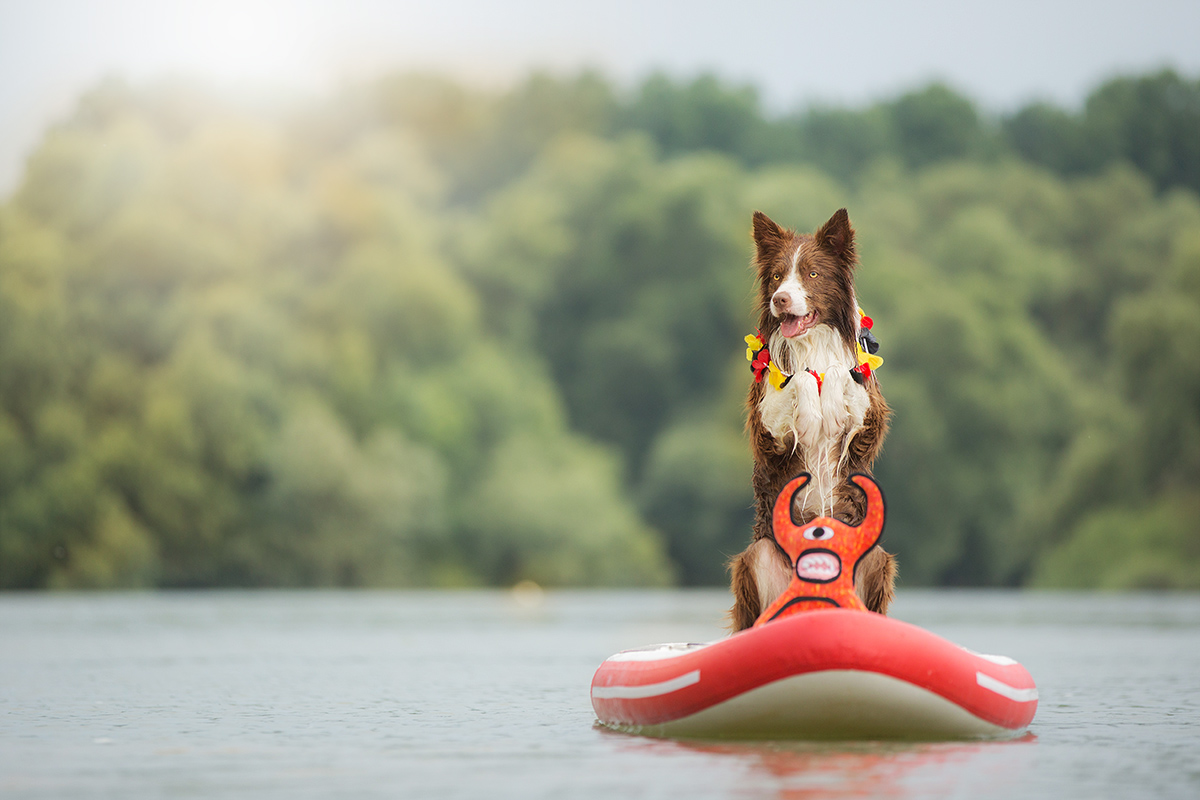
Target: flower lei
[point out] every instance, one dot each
(866, 346)
(760, 362)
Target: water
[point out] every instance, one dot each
(485, 694)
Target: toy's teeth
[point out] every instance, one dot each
(818, 567)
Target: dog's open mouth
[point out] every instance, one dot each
(791, 326)
(818, 566)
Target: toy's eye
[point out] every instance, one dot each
(819, 533)
(812, 274)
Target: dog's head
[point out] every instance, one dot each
(806, 281)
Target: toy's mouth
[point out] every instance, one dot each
(791, 326)
(818, 566)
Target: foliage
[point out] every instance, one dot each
(426, 335)
(230, 360)
(1150, 121)
(1149, 547)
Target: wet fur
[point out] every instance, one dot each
(834, 433)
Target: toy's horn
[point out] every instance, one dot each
(873, 521)
(782, 516)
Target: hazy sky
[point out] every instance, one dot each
(847, 51)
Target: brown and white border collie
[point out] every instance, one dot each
(824, 420)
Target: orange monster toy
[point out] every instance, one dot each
(820, 552)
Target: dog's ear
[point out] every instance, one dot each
(837, 237)
(768, 237)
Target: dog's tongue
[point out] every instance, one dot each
(792, 325)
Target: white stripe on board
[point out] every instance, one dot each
(1004, 690)
(647, 690)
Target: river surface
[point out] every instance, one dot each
(485, 694)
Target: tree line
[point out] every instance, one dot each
(418, 334)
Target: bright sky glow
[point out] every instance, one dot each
(1001, 54)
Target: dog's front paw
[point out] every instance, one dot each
(792, 415)
(843, 403)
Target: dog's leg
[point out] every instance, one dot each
(875, 580)
(760, 574)
(745, 594)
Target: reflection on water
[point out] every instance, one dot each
(471, 694)
(802, 771)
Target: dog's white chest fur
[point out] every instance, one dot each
(818, 424)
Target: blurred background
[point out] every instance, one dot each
(389, 294)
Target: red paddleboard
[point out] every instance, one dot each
(833, 674)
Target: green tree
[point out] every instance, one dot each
(1149, 121)
(935, 124)
(1123, 514)
(703, 114)
(1152, 121)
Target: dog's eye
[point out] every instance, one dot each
(812, 274)
(818, 532)
(775, 277)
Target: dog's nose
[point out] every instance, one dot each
(782, 301)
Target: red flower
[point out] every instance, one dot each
(762, 360)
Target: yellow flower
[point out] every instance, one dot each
(776, 376)
(874, 362)
(753, 344)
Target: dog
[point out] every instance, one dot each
(815, 406)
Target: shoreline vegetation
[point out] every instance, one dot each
(418, 335)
